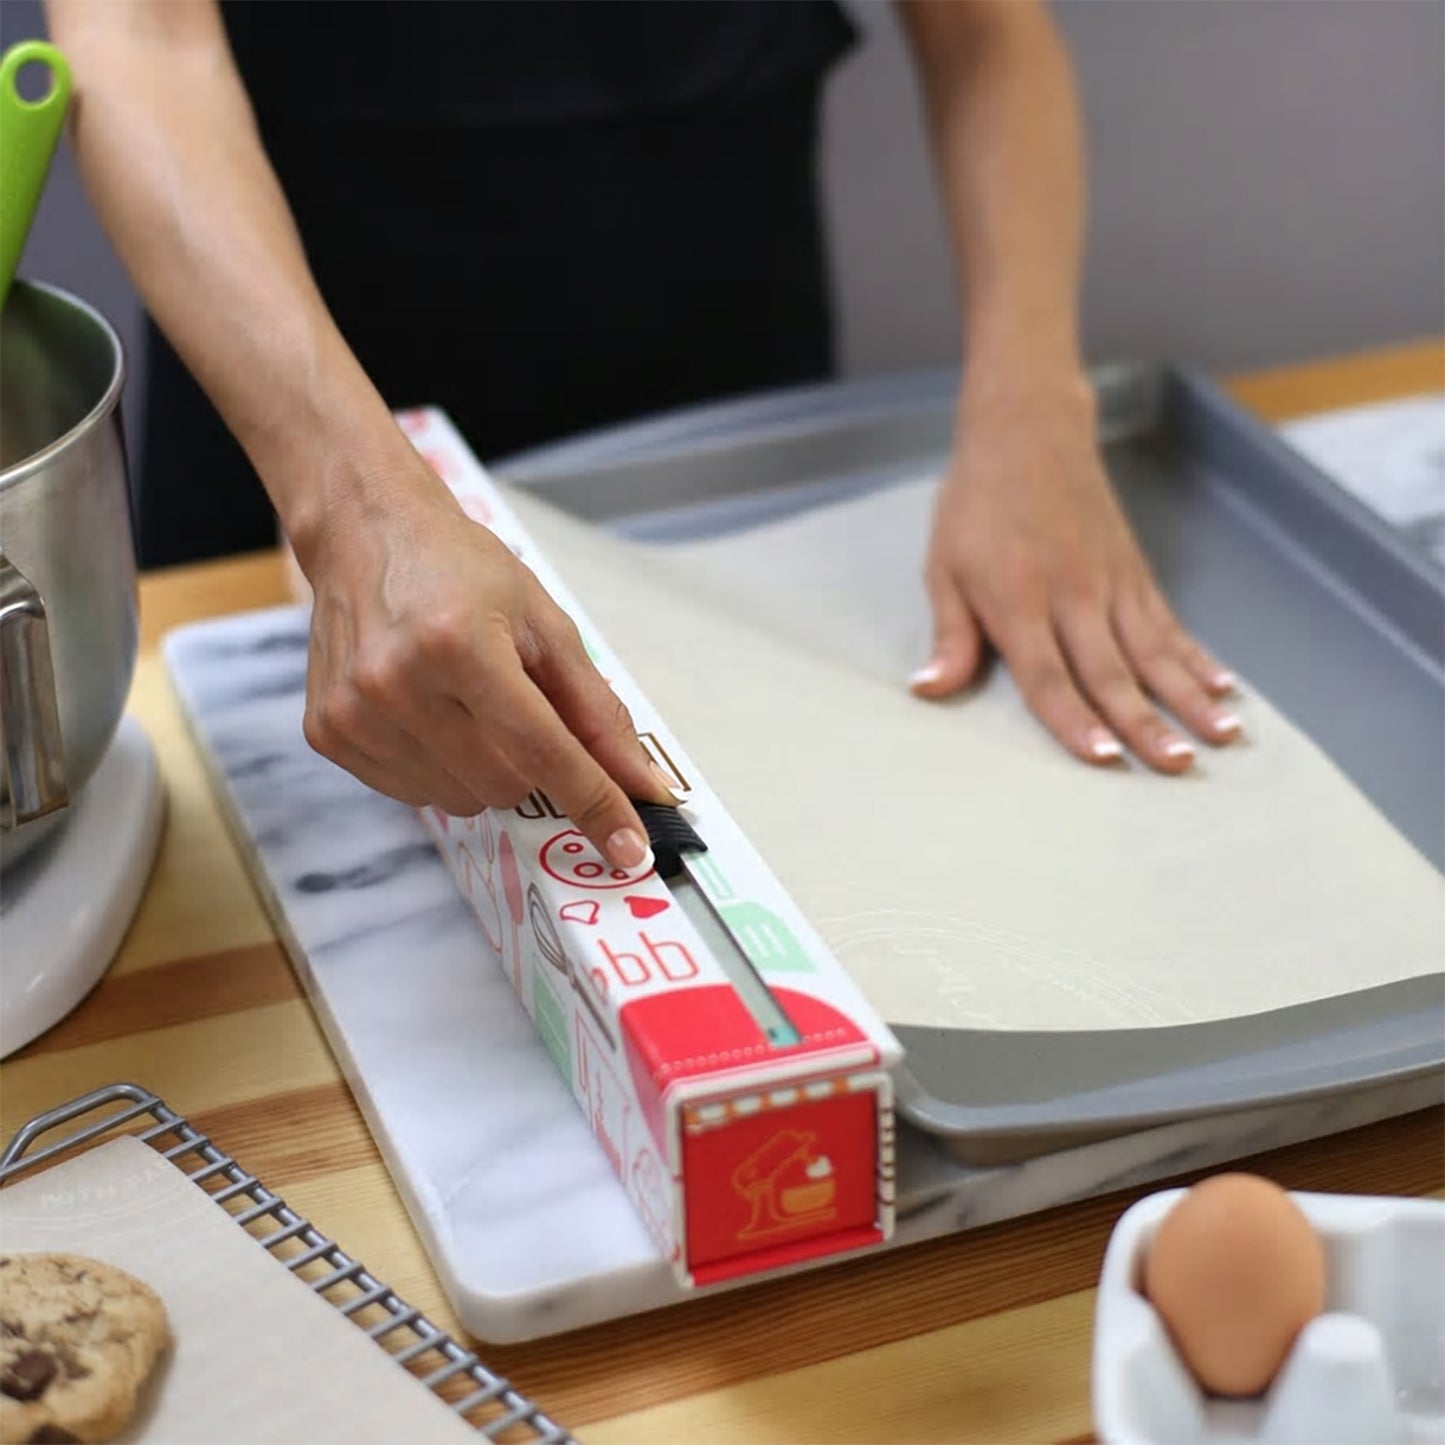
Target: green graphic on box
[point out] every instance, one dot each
(551, 1020)
(766, 941)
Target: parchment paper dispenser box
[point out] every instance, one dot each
(732, 1071)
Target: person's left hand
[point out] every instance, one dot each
(1030, 551)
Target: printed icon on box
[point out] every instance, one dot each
(603, 1096)
(550, 1017)
(705, 869)
(477, 508)
(788, 1185)
(570, 858)
(767, 941)
(585, 911)
(649, 1192)
(442, 464)
(512, 891)
(769, 944)
(482, 896)
(659, 755)
(537, 805)
(556, 957)
(511, 877)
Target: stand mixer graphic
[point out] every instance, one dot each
(788, 1185)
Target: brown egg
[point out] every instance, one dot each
(1235, 1271)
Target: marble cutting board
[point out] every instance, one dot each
(513, 1198)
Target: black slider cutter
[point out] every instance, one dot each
(672, 838)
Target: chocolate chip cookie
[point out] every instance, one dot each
(78, 1339)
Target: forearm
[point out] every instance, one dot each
(1006, 136)
(169, 151)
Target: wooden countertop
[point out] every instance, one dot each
(981, 1337)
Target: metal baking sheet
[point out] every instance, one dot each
(1336, 617)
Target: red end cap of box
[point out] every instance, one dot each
(781, 1184)
(689, 1032)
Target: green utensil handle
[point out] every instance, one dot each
(29, 131)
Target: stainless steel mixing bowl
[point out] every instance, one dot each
(68, 614)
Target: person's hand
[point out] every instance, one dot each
(442, 673)
(1030, 551)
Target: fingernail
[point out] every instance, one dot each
(664, 782)
(1103, 745)
(1225, 723)
(628, 849)
(1177, 748)
(929, 672)
(1223, 679)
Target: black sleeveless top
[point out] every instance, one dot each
(542, 215)
(523, 62)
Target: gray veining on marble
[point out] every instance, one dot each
(514, 1199)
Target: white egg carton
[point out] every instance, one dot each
(1369, 1371)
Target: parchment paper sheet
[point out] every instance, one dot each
(964, 868)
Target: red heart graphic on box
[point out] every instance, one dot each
(583, 912)
(645, 907)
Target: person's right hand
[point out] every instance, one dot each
(442, 673)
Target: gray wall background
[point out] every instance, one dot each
(1267, 182)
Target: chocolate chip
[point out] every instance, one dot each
(27, 1375)
(53, 1435)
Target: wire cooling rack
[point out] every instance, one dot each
(484, 1400)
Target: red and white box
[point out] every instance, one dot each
(742, 1155)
